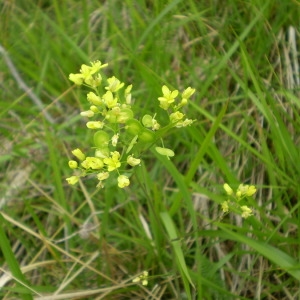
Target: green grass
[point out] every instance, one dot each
(240, 57)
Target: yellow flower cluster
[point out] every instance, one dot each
(167, 101)
(143, 278)
(119, 138)
(237, 198)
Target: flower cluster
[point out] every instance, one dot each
(119, 137)
(143, 278)
(237, 199)
(168, 101)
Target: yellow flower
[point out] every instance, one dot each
(133, 161)
(114, 139)
(102, 176)
(185, 123)
(109, 99)
(251, 191)
(176, 116)
(246, 212)
(225, 206)
(228, 189)
(123, 181)
(188, 92)
(93, 81)
(73, 164)
(168, 97)
(72, 180)
(128, 94)
(76, 78)
(87, 71)
(87, 113)
(94, 163)
(112, 162)
(114, 84)
(78, 153)
(142, 278)
(94, 99)
(245, 190)
(95, 125)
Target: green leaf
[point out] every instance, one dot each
(171, 230)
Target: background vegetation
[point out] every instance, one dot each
(63, 242)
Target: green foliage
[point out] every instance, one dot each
(80, 242)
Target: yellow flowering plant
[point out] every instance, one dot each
(237, 200)
(119, 138)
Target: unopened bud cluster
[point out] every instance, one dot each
(119, 137)
(237, 199)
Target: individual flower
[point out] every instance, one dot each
(123, 181)
(93, 81)
(188, 92)
(176, 116)
(246, 211)
(242, 189)
(109, 100)
(245, 190)
(95, 125)
(112, 162)
(251, 191)
(79, 154)
(228, 189)
(102, 176)
(72, 180)
(142, 278)
(76, 78)
(114, 84)
(114, 139)
(94, 163)
(94, 99)
(225, 206)
(87, 113)
(185, 123)
(87, 71)
(73, 164)
(127, 94)
(94, 109)
(168, 97)
(133, 161)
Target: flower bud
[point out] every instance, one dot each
(94, 99)
(95, 125)
(133, 161)
(72, 180)
(79, 154)
(228, 189)
(176, 116)
(188, 92)
(102, 176)
(246, 211)
(251, 191)
(76, 78)
(94, 163)
(73, 164)
(87, 113)
(123, 181)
